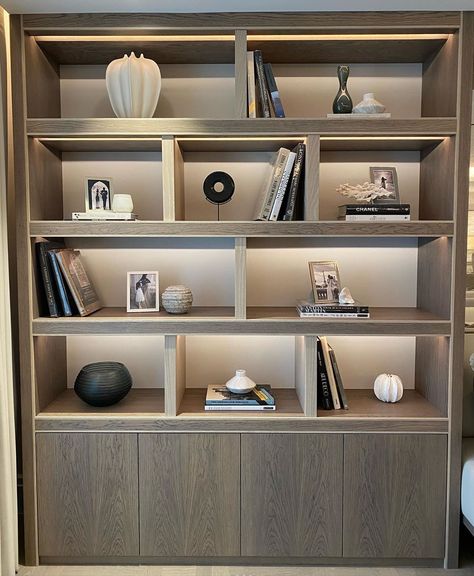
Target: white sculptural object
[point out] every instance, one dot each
(240, 383)
(134, 86)
(345, 296)
(366, 192)
(369, 105)
(122, 203)
(388, 387)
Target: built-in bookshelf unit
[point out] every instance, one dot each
(179, 484)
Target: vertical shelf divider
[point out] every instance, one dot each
(311, 178)
(173, 180)
(306, 374)
(240, 73)
(175, 372)
(241, 278)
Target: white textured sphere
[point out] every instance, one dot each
(134, 86)
(388, 387)
(177, 299)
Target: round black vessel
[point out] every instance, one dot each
(103, 383)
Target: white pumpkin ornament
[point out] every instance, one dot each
(134, 86)
(388, 387)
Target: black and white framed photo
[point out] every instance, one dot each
(325, 281)
(98, 194)
(143, 294)
(386, 177)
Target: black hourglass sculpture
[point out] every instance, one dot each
(342, 102)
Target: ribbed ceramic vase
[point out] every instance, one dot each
(103, 383)
(369, 105)
(342, 102)
(134, 86)
(177, 299)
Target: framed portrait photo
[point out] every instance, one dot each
(98, 194)
(143, 294)
(386, 178)
(325, 281)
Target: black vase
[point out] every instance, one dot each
(103, 383)
(342, 102)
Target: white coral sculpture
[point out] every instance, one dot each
(366, 192)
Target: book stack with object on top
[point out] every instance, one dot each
(263, 96)
(374, 212)
(308, 309)
(330, 392)
(220, 398)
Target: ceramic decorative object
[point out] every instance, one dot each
(134, 86)
(122, 203)
(177, 299)
(342, 102)
(366, 192)
(103, 383)
(388, 387)
(369, 105)
(240, 383)
(345, 296)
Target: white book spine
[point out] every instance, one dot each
(275, 183)
(239, 408)
(251, 95)
(330, 373)
(377, 217)
(282, 187)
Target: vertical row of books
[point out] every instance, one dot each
(64, 288)
(263, 97)
(331, 393)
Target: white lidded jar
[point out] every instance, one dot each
(240, 383)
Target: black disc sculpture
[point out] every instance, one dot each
(103, 383)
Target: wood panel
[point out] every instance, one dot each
(189, 494)
(240, 278)
(394, 496)
(432, 370)
(50, 369)
(175, 372)
(437, 181)
(292, 495)
(241, 74)
(88, 494)
(173, 180)
(42, 82)
(46, 185)
(311, 178)
(434, 276)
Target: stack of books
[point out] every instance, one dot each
(104, 215)
(374, 212)
(308, 309)
(65, 287)
(219, 398)
(331, 393)
(282, 194)
(263, 97)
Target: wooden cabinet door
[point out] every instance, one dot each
(292, 494)
(87, 494)
(394, 495)
(189, 494)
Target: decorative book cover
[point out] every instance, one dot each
(282, 187)
(219, 395)
(270, 187)
(338, 378)
(262, 85)
(324, 395)
(62, 288)
(274, 92)
(296, 188)
(76, 278)
(49, 303)
(330, 373)
(251, 91)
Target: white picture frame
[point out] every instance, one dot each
(143, 291)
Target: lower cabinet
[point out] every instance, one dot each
(292, 494)
(87, 494)
(189, 494)
(394, 495)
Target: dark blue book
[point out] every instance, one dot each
(48, 296)
(61, 287)
(274, 92)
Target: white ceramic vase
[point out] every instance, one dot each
(388, 387)
(240, 383)
(134, 86)
(122, 203)
(369, 105)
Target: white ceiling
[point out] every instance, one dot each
(60, 6)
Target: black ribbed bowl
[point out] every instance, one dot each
(103, 383)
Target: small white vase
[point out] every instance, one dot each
(369, 105)
(240, 383)
(134, 86)
(122, 203)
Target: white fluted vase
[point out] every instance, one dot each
(134, 86)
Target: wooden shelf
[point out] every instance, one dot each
(149, 228)
(286, 401)
(138, 401)
(364, 404)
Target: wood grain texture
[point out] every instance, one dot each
(46, 184)
(258, 229)
(311, 178)
(440, 75)
(240, 278)
(173, 391)
(305, 373)
(50, 369)
(463, 143)
(42, 82)
(88, 494)
(434, 276)
(394, 496)
(189, 494)
(432, 370)
(173, 180)
(437, 181)
(241, 74)
(292, 495)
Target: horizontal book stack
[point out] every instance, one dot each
(308, 309)
(374, 212)
(331, 393)
(263, 96)
(282, 194)
(65, 287)
(220, 398)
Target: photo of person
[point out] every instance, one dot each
(98, 194)
(386, 178)
(143, 292)
(325, 281)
